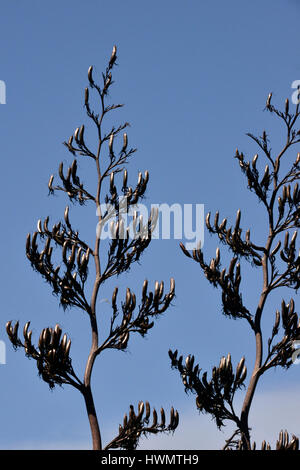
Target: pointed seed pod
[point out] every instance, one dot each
(50, 182)
(90, 77)
(268, 104)
(110, 144)
(86, 96)
(125, 142)
(147, 413)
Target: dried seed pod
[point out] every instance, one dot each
(86, 96)
(9, 328)
(141, 407)
(268, 104)
(125, 142)
(46, 225)
(147, 413)
(50, 182)
(90, 77)
(216, 220)
(113, 57)
(207, 221)
(237, 222)
(125, 176)
(144, 291)
(286, 240)
(254, 161)
(128, 298)
(231, 267)
(172, 286)
(25, 329)
(146, 179)
(217, 256)
(286, 106)
(239, 369)
(63, 342)
(114, 296)
(110, 144)
(162, 417)
(154, 417)
(67, 349)
(277, 320)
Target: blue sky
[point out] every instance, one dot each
(194, 77)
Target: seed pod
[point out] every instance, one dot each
(8, 328)
(64, 252)
(146, 179)
(277, 320)
(81, 132)
(286, 240)
(228, 360)
(295, 193)
(176, 420)
(254, 161)
(114, 296)
(86, 96)
(162, 417)
(107, 83)
(125, 175)
(217, 256)
(90, 77)
(237, 222)
(154, 414)
(286, 106)
(76, 132)
(50, 182)
(147, 413)
(243, 375)
(156, 290)
(172, 286)
(207, 221)
(144, 290)
(25, 329)
(78, 256)
(125, 421)
(110, 144)
(125, 142)
(128, 298)
(111, 182)
(68, 346)
(293, 240)
(161, 289)
(141, 407)
(216, 220)
(113, 57)
(269, 100)
(63, 342)
(39, 226)
(265, 178)
(239, 369)
(231, 267)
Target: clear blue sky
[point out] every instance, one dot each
(194, 77)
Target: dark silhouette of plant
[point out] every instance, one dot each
(278, 190)
(52, 353)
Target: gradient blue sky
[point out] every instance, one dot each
(194, 77)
